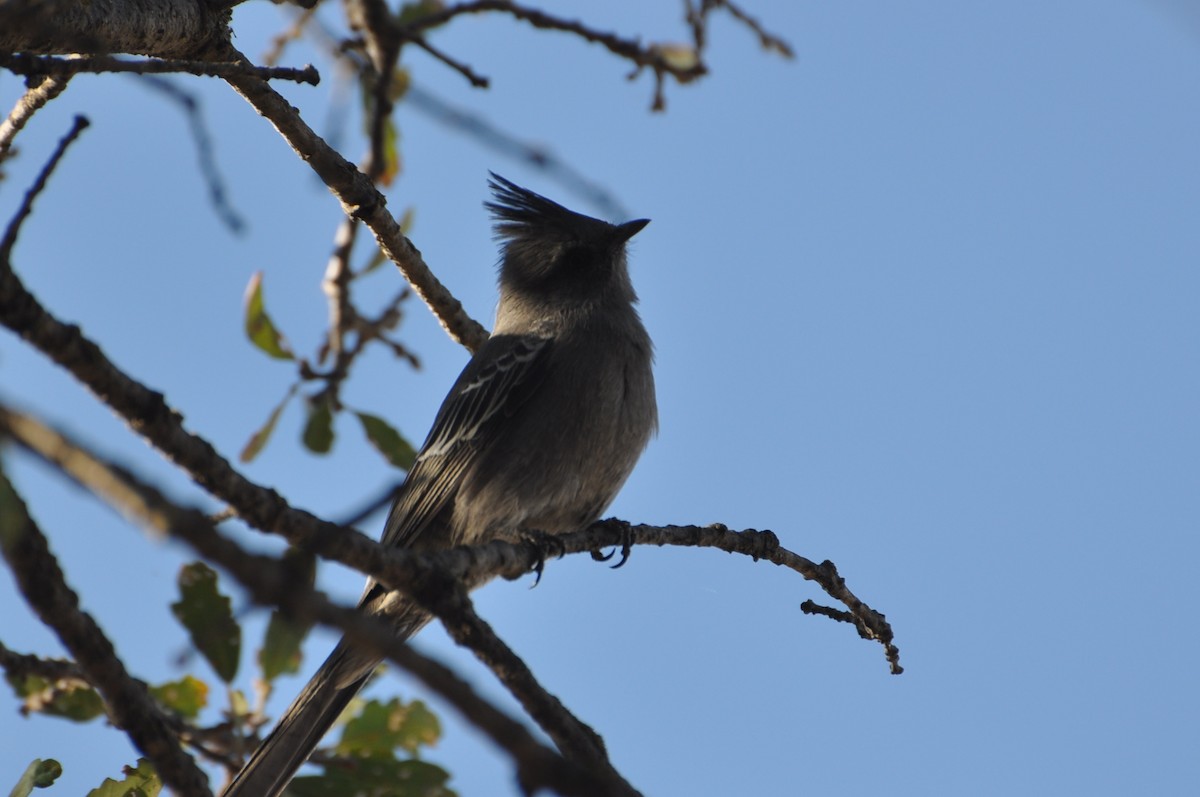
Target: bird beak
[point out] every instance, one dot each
(630, 228)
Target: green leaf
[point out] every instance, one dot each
(376, 777)
(38, 775)
(208, 617)
(280, 652)
(139, 781)
(258, 440)
(78, 703)
(239, 706)
(259, 327)
(418, 10)
(68, 699)
(401, 81)
(381, 728)
(185, 697)
(25, 685)
(14, 520)
(391, 152)
(387, 441)
(421, 727)
(318, 429)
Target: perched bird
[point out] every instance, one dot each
(538, 434)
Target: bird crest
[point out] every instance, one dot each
(521, 213)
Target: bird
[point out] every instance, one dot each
(537, 435)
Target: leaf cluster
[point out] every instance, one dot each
(378, 752)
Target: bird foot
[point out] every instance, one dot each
(626, 533)
(544, 545)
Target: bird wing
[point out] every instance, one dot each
(498, 379)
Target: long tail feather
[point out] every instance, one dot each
(300, 729)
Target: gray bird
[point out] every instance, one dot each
(539, 433)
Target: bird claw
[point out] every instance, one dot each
(626, 547)
(544, 545)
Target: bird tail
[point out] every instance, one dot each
(300, 729)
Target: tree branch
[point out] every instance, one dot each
(17, 665)
(205, 154)
(149, 415)
(40, 92)
(654, 58)
(41, 581)
(26, 64)
(14, 225)
(474, 78)
(64, 675)
(265, 509)
(361, 200)
(163, 28)
(269, 582)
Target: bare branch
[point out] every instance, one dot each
(204, 149)
(280, 42)
(769, 41)
(14, 225)
(26, 64)
(361, 200)
(41, 581)
(337, 290)
(164, 28)
(474, 78)
(264, 509)
(148, 414)
(535, 156)
(40, 92)
(474, 564)
(270, 582)
(871, 625)
(447, 599)
(373, 20)
(17, 665)
(64, 675)
(629, 49)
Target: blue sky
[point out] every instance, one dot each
(925, 304)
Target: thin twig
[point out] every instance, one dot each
(26, 64)
(534, 156)
(18, 665)
(14, 225)
(63, 674)
(280, 42)
(373, 20)
(629, 49)
(448, 600)
(652, 57)
(769, 41)
(474, 78)
(383, 499)
(205, 154)
(361, 199)
(40, 92)
(58, 678)
(336, 286)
